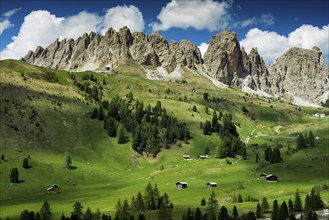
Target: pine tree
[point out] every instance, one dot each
(223, 214)
(308, 204)
(283, 211)
(268, 153)
(240, 200)
(258, 211)
(68, 160)
(206, 128)
(235, 213)
(311, 139)
(100, 113)
(264, 205)
(111, 127)
(25, 163)
(298, 202)
(77, 209)
(125, 214)
(300, 142)
(45, 211)
(203, 202)
(121, 135)
(165, 212)
(291, 209)
(88, 214)
(2, 157)
(14, 175)
(212, 205)
(275, 210)
(197, 214)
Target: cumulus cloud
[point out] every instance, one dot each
(42, 28)
(120, 16)
(4, 20)
(271, 44)
(198, 14)
(203, 48)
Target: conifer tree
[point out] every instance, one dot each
(165, 212)
(311, 139)
(291, 209)
(77, 209)
(212, 206)
(14, 175)
(258, 211)
(235, 213)
(223, 214)
(264, 205)
(308, 204)
(298, 202)
(283, 211)
(197, 214)
(121, 135)
(203, 202)
(25, 163)
(88, 214)
(275, 210)
(45, 211)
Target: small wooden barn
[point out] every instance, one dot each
(272, 178)
(211, 184)
(53, 189)
(181, 185)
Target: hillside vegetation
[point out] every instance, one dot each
(44, 114)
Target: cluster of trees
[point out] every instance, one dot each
(77, 213)
(213, 212)
(151, 200)
(272, 156)
(239, 199)
(231, 144)
(93, 92)
(304, 141)
(152, 127)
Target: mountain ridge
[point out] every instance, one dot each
(297, 74)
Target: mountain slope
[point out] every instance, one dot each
(106, 171)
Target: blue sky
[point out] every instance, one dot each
(272, 26)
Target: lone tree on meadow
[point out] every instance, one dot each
(212, 206)
(68, 160)
(14, 175)
(25, 163)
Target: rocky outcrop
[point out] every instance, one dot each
(93, 52)
(300, 73)
(224, 60)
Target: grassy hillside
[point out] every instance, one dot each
(43, 115)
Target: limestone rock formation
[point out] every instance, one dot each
(94, 52)
(300, 73)
(224, 60)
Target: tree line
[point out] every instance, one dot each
(288, 210)
(151, 127)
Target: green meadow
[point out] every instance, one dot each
(43, 115)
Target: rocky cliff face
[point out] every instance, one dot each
(300, 73)
(92, 51)
(297, 73)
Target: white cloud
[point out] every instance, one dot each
(5, 22)
(271, 44)
(11, 12)
(120, 16)
(307, 36)
(40, 28)
(203, 48)
(197, 14)
(265, 19)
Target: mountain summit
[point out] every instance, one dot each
(299, 75)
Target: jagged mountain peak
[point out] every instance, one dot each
(298, 72)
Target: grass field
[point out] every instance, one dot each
(106, 171)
